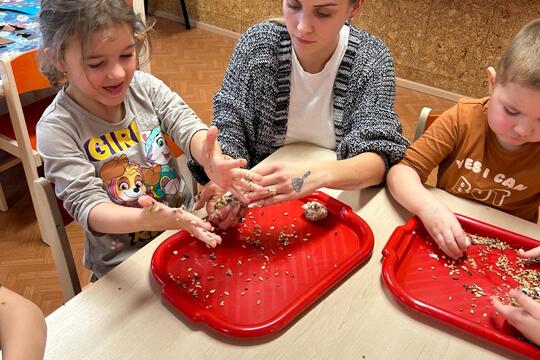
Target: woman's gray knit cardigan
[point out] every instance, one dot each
(251, 107)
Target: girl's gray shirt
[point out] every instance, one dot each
(91, 161)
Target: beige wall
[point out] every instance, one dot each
(442, 43)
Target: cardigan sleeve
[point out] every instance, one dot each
(375, 126)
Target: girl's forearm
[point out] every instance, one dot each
(109, 218)
(196, 147)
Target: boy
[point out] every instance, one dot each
(486, 149)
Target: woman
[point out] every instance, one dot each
(312, 79)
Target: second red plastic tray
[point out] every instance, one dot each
(458, 292)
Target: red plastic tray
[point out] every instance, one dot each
(245, 288)
(417, 273)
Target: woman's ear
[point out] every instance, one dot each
(491, 75)
(355, 9)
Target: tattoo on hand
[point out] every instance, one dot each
(298, 182)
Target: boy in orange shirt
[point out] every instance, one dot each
(487, 150)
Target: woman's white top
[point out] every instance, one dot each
(311, 104)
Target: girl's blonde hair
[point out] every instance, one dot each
(520, 63)
(63, 20)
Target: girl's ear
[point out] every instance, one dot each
(58, 63)
(492, 76)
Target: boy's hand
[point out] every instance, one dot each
(445, 229)
(525, 318)
(227, 172)
(174, 218)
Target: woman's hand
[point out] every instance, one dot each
(444, 228)
(223, 208)
(282, 182)
(159, 215)
(525, 318)
(227, 172)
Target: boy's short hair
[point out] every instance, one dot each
(520, 62)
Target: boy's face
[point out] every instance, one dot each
(514, 113)
(99, 81)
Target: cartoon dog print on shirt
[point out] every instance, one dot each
(127, 181)
(169, 187)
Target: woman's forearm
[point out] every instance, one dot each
(360, 171)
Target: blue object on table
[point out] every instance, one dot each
(22, 14)
(29, 7)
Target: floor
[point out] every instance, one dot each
(192, 63)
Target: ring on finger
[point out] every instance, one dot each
(272, 191)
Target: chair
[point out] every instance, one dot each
(55, 235)
(17, 137)
(424, 121)
(184, 12)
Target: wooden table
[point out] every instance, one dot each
(123, 317)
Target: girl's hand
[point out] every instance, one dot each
(445, 229)
(223, 208)
(227, 172)
(282, 182)
(175, 218)
(525, 318)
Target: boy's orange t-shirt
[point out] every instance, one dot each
(473, 165)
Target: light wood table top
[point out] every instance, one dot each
(123, 316)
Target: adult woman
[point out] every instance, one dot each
(313, 79)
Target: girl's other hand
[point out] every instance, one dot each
(525, 318)
(175, 218)
(444, 228)
(227, 172)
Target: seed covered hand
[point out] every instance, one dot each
(159, 216)
(282, 182)
(525, 318)
(445, 229)
(223, 208)
(227, 172)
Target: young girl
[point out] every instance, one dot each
(487, 149)
(101, 139)
(312, 79)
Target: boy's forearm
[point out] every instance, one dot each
(406, 187)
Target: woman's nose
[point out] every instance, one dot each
(304, 23)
